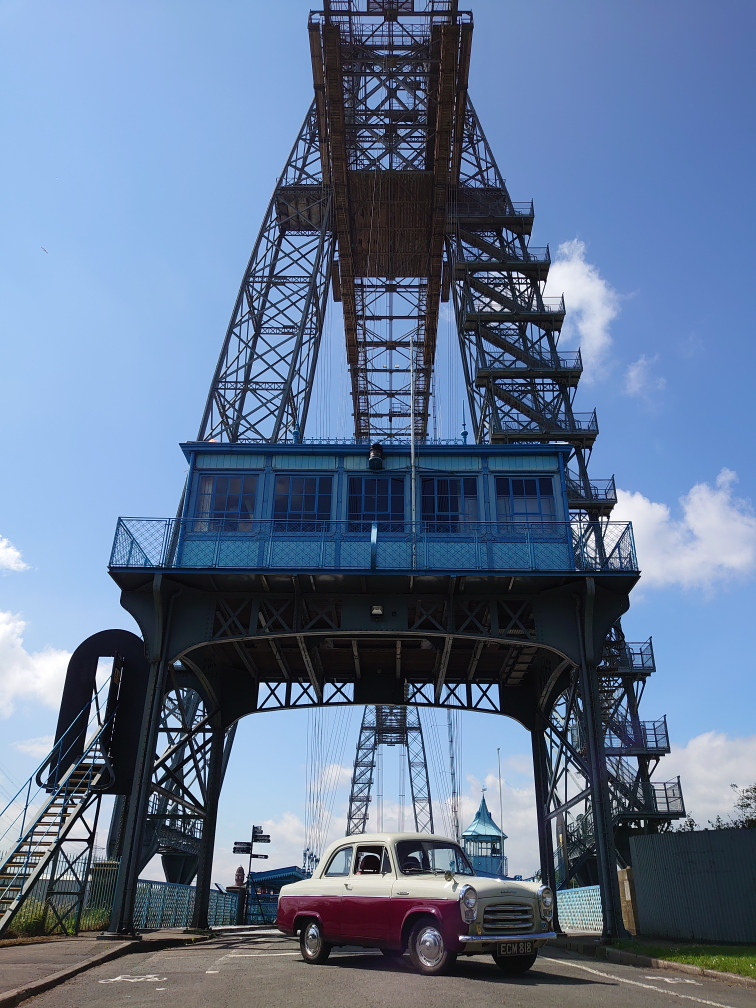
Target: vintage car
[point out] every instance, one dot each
(416, 893)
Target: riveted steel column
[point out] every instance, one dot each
(122, 915)
(205, 863)
(603, 824)
(545, 840)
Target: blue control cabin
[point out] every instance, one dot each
(349, 507)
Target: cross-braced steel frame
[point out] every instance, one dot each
(391, 200)
(390, 725)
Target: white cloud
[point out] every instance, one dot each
(37, 747)
(27, 675)
(714, 541)
(640, 380)
(590, 301)
(10, 557)
(707, 765)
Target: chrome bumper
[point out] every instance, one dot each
(541, 936)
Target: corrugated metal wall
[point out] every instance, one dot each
(697, 886)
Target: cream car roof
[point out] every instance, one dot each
(376, 838)
(369, 838)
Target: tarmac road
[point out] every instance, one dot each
(264, 970)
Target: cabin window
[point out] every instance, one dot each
(302, 500)
(227, 502)
(377, 499)
(525, 499)
(447, 502)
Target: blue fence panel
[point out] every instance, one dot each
(262, 909)
(170, 905)
(580, 909)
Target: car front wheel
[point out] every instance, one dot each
(314, 948)
(427, 948)
(512, 965)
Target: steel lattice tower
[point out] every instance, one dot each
(391, 726)
(483, 577)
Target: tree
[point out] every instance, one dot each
(745, 806)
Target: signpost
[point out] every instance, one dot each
(245, 847)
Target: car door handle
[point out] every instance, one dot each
(402, 892)
(347, 886)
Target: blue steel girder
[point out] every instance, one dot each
(262, 383)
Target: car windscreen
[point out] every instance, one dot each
(431, 857)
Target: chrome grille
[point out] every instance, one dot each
(498, 918)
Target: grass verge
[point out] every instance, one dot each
(725, 958)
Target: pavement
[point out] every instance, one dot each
(261, 968)
(26, 967)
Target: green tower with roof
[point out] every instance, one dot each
(484, 843)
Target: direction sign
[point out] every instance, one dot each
(261, 838)
(242, 847)
(263, 856)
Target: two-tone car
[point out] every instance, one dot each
(415, 893)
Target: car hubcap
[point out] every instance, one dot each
(430, 946)
(312, 940)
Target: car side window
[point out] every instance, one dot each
(369, 860)
(386, 868)
(340, 863)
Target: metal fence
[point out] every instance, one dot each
(158, 905)
(262, 908)
(343, 545)
(580, 909)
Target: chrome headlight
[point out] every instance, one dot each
(546, 902)
(468, 902)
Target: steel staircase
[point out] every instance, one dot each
(55, 825)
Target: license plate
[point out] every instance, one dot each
(516, 948)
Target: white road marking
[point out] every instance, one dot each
(676, 980)
(635, 983)
(212, 971)
(256, 955)
(135, 979)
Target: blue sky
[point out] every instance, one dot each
(142, 140)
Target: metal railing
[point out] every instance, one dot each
(571, 361)
(487, 306)
(648, 798)
(578, 422)
(642, 736)
(532, 254)
(487, 202)
(352, 545)
(597, 490)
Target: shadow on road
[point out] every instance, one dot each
(469, 969)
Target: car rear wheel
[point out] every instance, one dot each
(427, 948)
(512, 965)
(314, 948)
